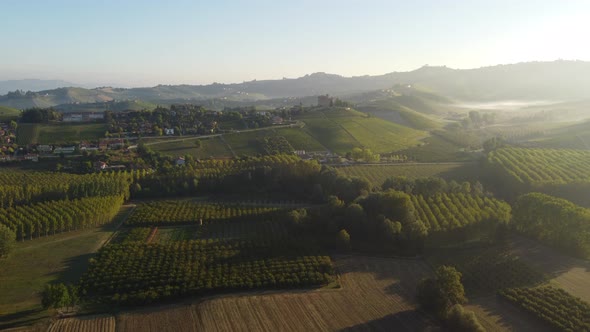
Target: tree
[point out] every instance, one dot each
(462, 321)
(56, 296)
(7, 240)
(437, 295)
(13, 124)
(343, 240)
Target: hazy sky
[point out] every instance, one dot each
(146, 42)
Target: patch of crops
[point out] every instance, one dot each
(143, 273)
(552, 305)
(191, 212)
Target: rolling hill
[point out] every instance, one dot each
(557, 80)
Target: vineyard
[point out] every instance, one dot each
(444, 212)
(137, 273)
(42, 219)
(543, 166)
(192, 212)
(552, 305)
(377, 174)
(275, 145)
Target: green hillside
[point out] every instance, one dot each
(341, 130)
(392, 110)
(116, 106)
(32, 133)
(8, 113)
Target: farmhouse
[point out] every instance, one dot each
(64, 149)
(325, 101)
(73, 117)
(43, 148)
(277, 120)
(169, 131)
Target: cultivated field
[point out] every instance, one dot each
(377, 174)
(28, 133)
(342, 130)
(495, 314)
(211, 147)
(84, 324)
(376, 294)
(571, 274)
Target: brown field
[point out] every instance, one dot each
(376, 294)
(495, 314)
(571, 274)
(84, 324)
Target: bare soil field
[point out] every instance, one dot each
(84, 324)
(495, 314)
(571, 274)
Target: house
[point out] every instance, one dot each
(325, 101)
(96, 116)
(277, 120)
(73, 117)
(64, 149)
(100, 165)
(43, 148)
(32, 157)
(180, 161)
(169, 131)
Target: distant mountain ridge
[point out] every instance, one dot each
(557, 80)
(34, 85)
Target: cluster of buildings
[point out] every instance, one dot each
(83, 117)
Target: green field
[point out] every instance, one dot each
(342, 130)
(210, 147)
(32, 264)
(377, 174)
(30, 133)
(300, 139)
(246, 143)
(437, 149)
(8, 113)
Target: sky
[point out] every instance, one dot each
(148, 42)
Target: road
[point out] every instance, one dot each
(184, 138)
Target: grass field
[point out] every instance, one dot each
(8, 113)
(29, 133)
(377, 174)
(59, 258)
(437, 149)
(210, 147)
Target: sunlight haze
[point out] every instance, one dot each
(144, 43)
